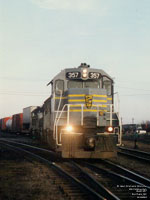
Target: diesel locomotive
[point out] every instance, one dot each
(78, 120)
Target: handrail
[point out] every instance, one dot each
(120, 133)
(56, 124)
(59, 114)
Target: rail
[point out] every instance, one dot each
(128, 173)
(71, 179)
(120, 177)
(136, 154)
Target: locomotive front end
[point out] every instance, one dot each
(86, 125)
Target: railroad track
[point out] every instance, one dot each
(136, 154)
(106, 179)
(74, 185)
(119, 180)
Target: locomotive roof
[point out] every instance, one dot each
(78, 69)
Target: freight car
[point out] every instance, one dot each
(9, 125)
(17, 123)
(78, 119)
(5, 124)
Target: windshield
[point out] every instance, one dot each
(83, 84)
(91, 84)
(75, 84)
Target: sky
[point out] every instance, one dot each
(39, 38)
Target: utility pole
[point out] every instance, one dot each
(132, 120)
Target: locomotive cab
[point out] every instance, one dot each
(81, 122)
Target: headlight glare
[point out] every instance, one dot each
(84, 75)
(110, 129)
(85, 71)
(69, 128)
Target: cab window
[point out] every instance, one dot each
(83, 84)
(107, 84)
(59, 86)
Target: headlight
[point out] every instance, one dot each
(90, 142)
(84, 70)
(69, 128)
(110, 129)
(84, 73)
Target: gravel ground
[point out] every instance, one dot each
(24, 180)
(141, 146)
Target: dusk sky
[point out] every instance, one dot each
(39, 38)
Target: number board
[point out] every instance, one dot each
(73, 75)
(94, 75)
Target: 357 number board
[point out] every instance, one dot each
(73, 75)
(77, 75)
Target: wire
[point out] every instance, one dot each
(133, 88)
(25, 94)
(135, 95)
(132, 81)
(23, 79)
